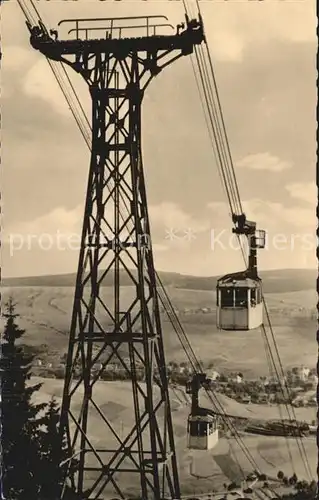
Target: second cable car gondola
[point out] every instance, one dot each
(202, 432)
(202, 425)
(239, 295)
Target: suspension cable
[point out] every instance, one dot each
(165, 300)
(210, 122)
(81, 126)
(211, 107)
(229, 173)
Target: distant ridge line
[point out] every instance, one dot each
(275, 281)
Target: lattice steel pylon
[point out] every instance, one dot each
(117, 248)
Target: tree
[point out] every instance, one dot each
(21, 417)
(34, 461)
(232, 486)
(54, 454)
(293, 479)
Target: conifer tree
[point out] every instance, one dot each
(21, 418)
(54, 454)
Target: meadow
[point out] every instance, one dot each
(200, 471)
(45, 306)
(46, 311)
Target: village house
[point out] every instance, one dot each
(213, 375)
(238, 378)
(313, 379)
(304, 373)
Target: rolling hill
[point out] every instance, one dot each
(45, 304)
(214, 467)
(276, 281)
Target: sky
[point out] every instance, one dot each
(264, 55)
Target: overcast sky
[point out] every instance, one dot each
(265, 60)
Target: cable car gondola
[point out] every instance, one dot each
(202, 432)
(202, 424)
(239, 295)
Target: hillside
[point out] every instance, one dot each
(213, 467)
(45, 305)
(276, 281)
(45, 313)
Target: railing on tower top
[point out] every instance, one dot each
(113, 27)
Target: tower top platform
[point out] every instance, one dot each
(110, 35)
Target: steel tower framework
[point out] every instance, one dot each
(117, 248)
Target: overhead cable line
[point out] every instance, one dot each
(211, 103)
(85, 129)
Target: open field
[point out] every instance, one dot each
(45, 314)
(276, 281)
(213, 467)
(45, 306)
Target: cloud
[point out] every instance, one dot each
(212, 252)
(40, 81)
(279, 216)
(271, 216)
(16, 58)
(231, 28)
(65, 223)
(305, 191)
(264, 161)
(169, 215)
(176, 228)
(302, 17)
(290, 233)
(257, 34)
(58, 221)
(226, 45)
